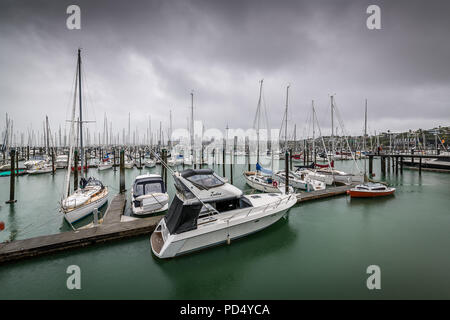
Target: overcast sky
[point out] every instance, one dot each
(145, 57)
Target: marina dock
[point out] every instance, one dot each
(111, 229)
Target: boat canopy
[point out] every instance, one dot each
(147, 185)
(203, 178)
(180, 217)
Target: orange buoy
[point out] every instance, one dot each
(2, 225)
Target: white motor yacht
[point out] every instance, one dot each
(207, 211)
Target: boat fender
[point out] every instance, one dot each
(2, 225)
(275, 184)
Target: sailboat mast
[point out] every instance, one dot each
(314, 131)
(192, 122)
(259, 116)
(332, 127)
(81, 114)
(365, 127)
(286, 115)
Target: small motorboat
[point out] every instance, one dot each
(368, 190)
(149, 195)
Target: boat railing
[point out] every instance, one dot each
(265, 207)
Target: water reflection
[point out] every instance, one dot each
(218, 269)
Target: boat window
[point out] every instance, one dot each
(363, 188)
(244, 203)
(205, 181)
(255, 196)
(148, 187)
(227, 205)
(379, 188)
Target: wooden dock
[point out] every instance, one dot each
(110, 229)
(326, 193)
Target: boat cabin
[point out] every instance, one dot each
(215, 194)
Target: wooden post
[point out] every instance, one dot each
(114, 159)
(383, 165)
(223, 158)
(75, 170)
(370, 166)
(17, 165)
(396, 165)
(122, 171)
(165, 169)
(12, 179)
(231, 166)
(28, 153)
(286, 167)
(420, 165)
(53, 161)
(388, 160)
(401, 164)
(140, 159)
(290, 159)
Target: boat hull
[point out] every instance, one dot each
(261, 186)
(222, 231)
(369, 194)
(84, 210)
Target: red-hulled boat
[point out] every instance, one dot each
(369, 190)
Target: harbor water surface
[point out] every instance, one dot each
(320, 250)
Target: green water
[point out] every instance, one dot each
(321, 250)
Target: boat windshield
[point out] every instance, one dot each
(205, 181)
(147, 187)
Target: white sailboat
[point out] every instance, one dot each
(149, 163)
(92, 194)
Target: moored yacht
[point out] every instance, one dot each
(300, 181)
(148, 195)
(61, 161)
(207, 211)
(91, 195)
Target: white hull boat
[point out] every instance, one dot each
(148, 195)
(84, 201)
(61, 161)
(263, 183)
(300, 181)
(312, 174)
(105, 166)
(40, 169)
(129, 164)
(149, 163)
(217, 214)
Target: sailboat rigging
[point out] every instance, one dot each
(92, 194)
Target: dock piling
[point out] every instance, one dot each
(122, 171)
(12, 178)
